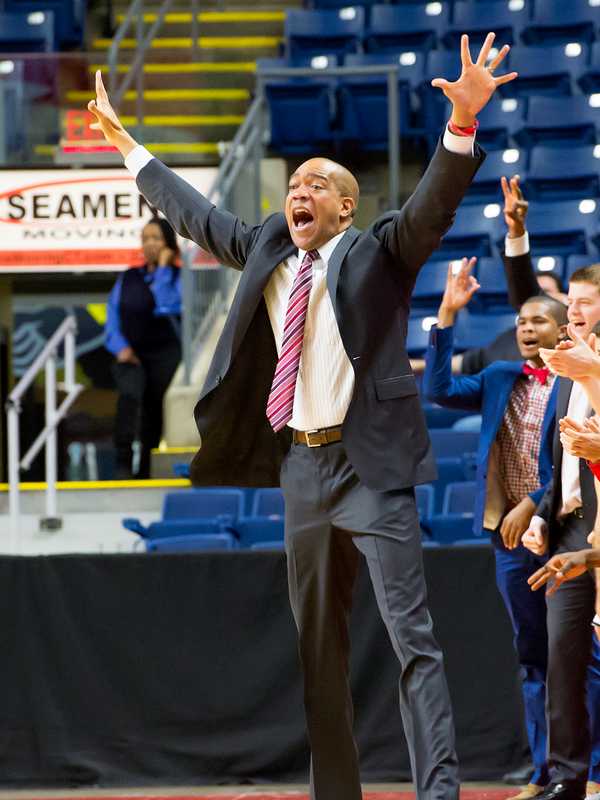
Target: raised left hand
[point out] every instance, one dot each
(476, 84)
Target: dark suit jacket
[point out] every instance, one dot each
(370, 278)
(522, 284)
(489, 393)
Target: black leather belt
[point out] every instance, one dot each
(577, 512)
(319, 436)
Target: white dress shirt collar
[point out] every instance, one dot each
(325, 251)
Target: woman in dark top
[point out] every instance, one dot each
(143, 333)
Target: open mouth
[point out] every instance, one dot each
(301, 218)
(531, 343)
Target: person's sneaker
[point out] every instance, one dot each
(527, 792)
(592, 790)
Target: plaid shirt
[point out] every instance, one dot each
(519, 437)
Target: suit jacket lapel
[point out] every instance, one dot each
(335, 262)
(564, 394)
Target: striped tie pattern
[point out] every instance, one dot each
(280, 404)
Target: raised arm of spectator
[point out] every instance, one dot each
(520, 274)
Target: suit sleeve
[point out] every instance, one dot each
(414, 232)
(196, 218)
(439, 385)
(520, 278)
(544, 507)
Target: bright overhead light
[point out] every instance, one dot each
(587, 206)
(408, 59)
(427, 323)
(516, 5)
(491, 210)
(347, 13)
(511, 155)
(36, 18)
(573, 49)
(594, 3)
(546, 263)
(597, 151)
(594, 100)
(6, 67)
(319, 62)
(509, 104)
(433, 9)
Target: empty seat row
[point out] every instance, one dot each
(428, 25)
(38, 26)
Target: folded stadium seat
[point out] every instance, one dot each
(499, 121)
(363, 99)
(562, 21)
(478, 19)
(579, 261)
(27, 33)
(474, 231)
(69, 18)
(394, 28)
(546, 70)
(493, 294)
(563, 227)
(311, 33)
(448, 443)
(268, 503)
(166, 529)
(276, 545)
(550, 263)
(448, 528)
(460, 498)
(574, 174)
(425, 499)
(450, 469)
(560, 121)
(302, 109)
(589, 80)
(189, 544)
(430, 286)
(479, 330)
(485, 187)
(253, 530)
(418, 335)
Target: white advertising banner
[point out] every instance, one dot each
(67, 220)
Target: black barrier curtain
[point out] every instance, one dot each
(137, 669)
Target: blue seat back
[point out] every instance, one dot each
(546, 70)
(564, 227)
(425, 499)
(479, 330)
(578, 261)
(460, 498)
(418, 334)
(559, 21)
(198, 503)
(446, 442)
(561, 121)
(430, 285)
(575, 174)
(268, 503)
(253, 530)
(477, 19)
(394, 28)
(474, 231)
(188, 544)
(485, 187)
(314, 32)
(447, 528)
(499, 121)
(589, 80)
(23, 32)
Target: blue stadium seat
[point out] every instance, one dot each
(448, 443)
(301, 109)
(565, 227)
(473, 232)
(485, 187)
(268, 503)
(181, 470)
(363, 99)
(324, 5)
(476, 541)
(447, 528)
(578, 261)
(560, 121)
(550, 263)
(479, 330)
(460, 498)
(69, 18)
(188, 544)
(546, 70)
(276, 545)
(425, 498)
(27, 33)
(499, 121)
(198, 503)
(430, 285)
(253, 530)
(434, 106)
(450, 469)
(310, 33)
(478, 19)
(494, 290)
(407, 27)
(440, 417)
(574, 173)
(561, 21)
(589, 80)
(165, 529)
(418, 335)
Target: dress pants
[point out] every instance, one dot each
(527, 612)
(330, 518)
(573, 672)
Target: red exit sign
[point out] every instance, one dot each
(78, 136)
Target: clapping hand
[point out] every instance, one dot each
(581, 440)
(476, 84)
(576, 359)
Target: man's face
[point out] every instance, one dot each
(315, 209)
(583, 306)
(536, 328)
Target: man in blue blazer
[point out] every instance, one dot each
(517, 401)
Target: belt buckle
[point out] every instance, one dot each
(308, 435)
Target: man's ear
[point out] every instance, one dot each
(347, 207)
(562, 332)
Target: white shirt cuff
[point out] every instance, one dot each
(463, 145)
(137, 160)
(518, 246)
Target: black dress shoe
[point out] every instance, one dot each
(563, 791)
(519, 776)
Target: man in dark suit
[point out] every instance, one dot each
(565, 516)
(310, 385)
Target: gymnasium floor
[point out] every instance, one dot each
(471, 791)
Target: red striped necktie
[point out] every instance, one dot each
(280, 404)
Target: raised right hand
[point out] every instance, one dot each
(515, 207)
(107, 120)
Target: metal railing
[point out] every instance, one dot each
(237, 188)
(135, 15)
(47, 359)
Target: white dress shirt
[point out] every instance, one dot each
(326, 378)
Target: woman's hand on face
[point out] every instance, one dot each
(166, 257)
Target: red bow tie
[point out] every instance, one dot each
(539, 373)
